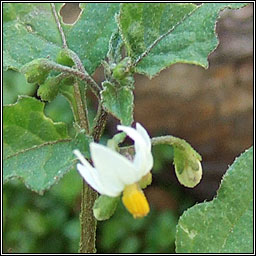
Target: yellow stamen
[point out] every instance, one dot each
(135, 201)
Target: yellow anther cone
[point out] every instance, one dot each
(135, 201)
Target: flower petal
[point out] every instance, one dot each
(88, 172)
(115, 170)
(143, 160)
(139, 142)
(89, 178)
(142, 131)
(92, 177)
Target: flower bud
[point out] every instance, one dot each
(64, 59)
(36, 71)
(49, 90)
(190, 175)
(122, 69)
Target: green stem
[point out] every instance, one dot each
(99, 122)
(87, 221)
(77, 73)
(82, 112)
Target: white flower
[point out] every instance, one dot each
(113, 173)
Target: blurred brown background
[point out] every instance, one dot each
(212, 109)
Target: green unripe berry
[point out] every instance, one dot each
(64, 59)
(49, 90)
(36, 71)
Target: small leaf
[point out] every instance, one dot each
(224, 225)
(118, 101)
(174, 33)
(104, 207)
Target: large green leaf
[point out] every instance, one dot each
(118, 101)
(224, 225)
(25, 126)
(31, 32)
(90, 35)
(36, 149)
(179, 32)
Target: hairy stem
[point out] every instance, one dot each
(87, 221)
(77, 73)
(99, 123)
(82, 112)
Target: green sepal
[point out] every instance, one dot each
(105, 206)
(49, 89)
(64, 59)
(145, 180)
(36, 71)
(116, 140)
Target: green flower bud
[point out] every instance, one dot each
(122, 69)
(128, 81)
(36, 71)
(64, 59)
(188, 168)
(49, 90)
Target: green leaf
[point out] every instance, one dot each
(224, 225)
(25, 125)
(118, 101)
(176, 33)
(90, 35)
(104, 207)
(29, 32)
(36, 149)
